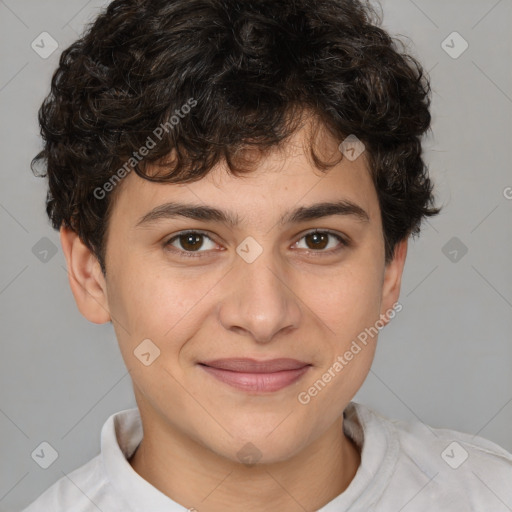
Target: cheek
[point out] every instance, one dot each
(153, 321)
(348, 303)
(151, 301)
(347, 300)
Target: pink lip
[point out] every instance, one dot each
(256, 376)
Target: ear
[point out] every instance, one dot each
(393, 279)
(85, 278)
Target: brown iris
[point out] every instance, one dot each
(320, 240)
(191, 241)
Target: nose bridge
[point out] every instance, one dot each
(259, 301)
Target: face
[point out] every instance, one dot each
(262, 288)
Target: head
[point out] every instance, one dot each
(239, 114)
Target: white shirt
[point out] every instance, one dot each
(406, 467)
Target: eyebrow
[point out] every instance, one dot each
(207, 213)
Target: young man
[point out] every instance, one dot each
(235, 183)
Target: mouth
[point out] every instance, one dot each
(256, 376)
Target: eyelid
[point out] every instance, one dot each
(342, 239)
(187, 253)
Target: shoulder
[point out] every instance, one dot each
(444, 466)
(92, 487)
(81, 490)
(446, 448)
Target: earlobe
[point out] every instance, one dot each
(85, 278)
(393, 280)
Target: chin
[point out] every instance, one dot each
(260, 448)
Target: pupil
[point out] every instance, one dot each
(318, 237)
(191, 240)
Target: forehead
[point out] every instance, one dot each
(280, 181)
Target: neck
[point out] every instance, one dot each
(195, 477)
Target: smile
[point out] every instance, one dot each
(256, 376)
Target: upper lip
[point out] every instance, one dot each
(254, 366)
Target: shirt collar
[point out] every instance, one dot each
(377, 441)
(120, 436)
(376, 436)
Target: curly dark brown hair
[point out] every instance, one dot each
(239, 74)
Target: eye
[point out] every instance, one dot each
(190, 242)
(187, 243)
(318, 241)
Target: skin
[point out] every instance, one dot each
(297, 300)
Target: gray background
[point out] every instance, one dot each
(445, 359)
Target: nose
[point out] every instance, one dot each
(259, 300)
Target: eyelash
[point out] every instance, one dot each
(198, 254)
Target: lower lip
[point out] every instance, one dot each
(257, 382)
